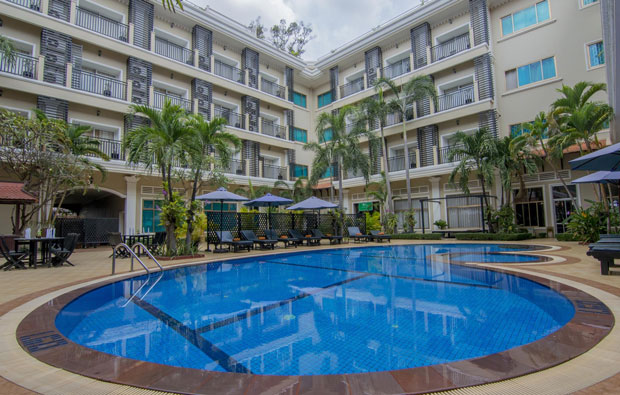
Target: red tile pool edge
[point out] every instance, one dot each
(37, 335)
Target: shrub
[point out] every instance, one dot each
(410, 219)
(503, 219)
(417, 236)
(441, 224)
(391, 222)
(373, 221)
(567, 237)
(493, 236)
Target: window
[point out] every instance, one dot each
(518, 130)
(299, 99)
(223, 206)
(327, 136)
(529, 16)
(300, 135)
(331, 171)
(325, 99)
(530, 211)
(596, 54)
(530, 73)
(300, 171)
(151, 209)
(588, 2)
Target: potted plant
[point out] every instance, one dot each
(28, 69)
(107, 91)
(441, 224)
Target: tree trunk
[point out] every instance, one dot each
(550, 161)
(190, 213)
(386, 171)
(340, 195)
(407, 166)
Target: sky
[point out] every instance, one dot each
(334, 22)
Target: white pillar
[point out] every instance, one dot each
(435, 208)
(131, 204)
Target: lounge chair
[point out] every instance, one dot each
(332, 239)
(379, 236)
(13, 258)
(114, 239)
(286, 240)
(61, 254)
(158, 240)
(308, 238)
(226, 238)
(264, 243)
(356, 234)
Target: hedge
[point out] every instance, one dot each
(493, 236)
(418, 236)
(567, 237)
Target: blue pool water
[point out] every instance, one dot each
(320, 312)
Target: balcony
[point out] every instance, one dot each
(235, 166)
(397, 163)
(101, 85)
(271, 128)
(451, 47)
(174, 51)
(23, 65)
(444, 154)
(232, 118)
(397, 69)
(457, 98)
(357, 85)
(272, 88)
(32, 4)
(274, 172)
(353, 174)
(100, 24)
(393, 119)
(160, 98)
(112, 148)
(229, 72)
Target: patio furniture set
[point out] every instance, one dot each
(22, 253)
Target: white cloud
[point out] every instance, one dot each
(335, 22)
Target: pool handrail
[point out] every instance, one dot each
(133, 255)
(148, 278)
(146, 250)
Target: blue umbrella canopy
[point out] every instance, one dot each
(607, 158)
(268, 200)
(312, 203)
(221, 194)
(600, 177)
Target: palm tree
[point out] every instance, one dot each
(513, 158)
(302, 189)
(205, 135)
(7, 49)
(252, 192)
(416, 89)
(169, 4)
(379, 193)
(342, 152)
(158, 146)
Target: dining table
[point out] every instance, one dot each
(38, 246)
(144, 238)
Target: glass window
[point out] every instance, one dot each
(300, 135)
(530, 211)
(529, 16)
(327, 136)
(511, 79)
(588, 2)
(524, 18)
(548, 66)
(300, 171)
(533, 72)
(325, 99)
(299, 99)
(150, 216)
(518, 130)
(542, 11)
(596, 54)
(507, 25)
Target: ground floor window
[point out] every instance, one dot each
(530, 211)
(151, 210)
(562, 205)
(464, 212)
(400, 208)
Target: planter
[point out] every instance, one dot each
(174, 258)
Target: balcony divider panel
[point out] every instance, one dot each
(488, 120)
(140, 72)
(479, 21)
(289, 82)
(333, 82)
(373, 59)
(202, 40)
(249, 61)
(428, 137)
(141, 15)
(420, 39)
(60, 9)
(53, 108)
(56, 48)
(289, 116)
(484, 76)
(203, 91)
(251, 106)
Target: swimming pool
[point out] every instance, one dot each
(338, 311)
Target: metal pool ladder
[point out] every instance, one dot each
(134, 255)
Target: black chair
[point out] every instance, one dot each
(310, 240)
(378, 237)
(356, 234)
(287, 241)
(263, 243)
(114, 239)
(332, 239)
(13, 258)
(61, 254)
(158, 240)
(226, 238)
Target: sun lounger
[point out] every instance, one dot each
(332, 239)
(263, 243)
(356, 234)
(377, 236)
(308, 238)
(226, 238)
(286, 240)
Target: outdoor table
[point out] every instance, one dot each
(33, 249)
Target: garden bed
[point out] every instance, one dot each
(494, 236)
(417, 236)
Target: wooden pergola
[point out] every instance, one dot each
(13, 193)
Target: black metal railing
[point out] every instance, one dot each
(174, 51)
(22, 65)
(457, 98)
(112, 148)
(450, 47)
(357, 85)
(232, 118)
(235, 166)
(108, 27)
(397, 163)
(272, 88)
(160, 98)
(445, 153)
(395, 69)
(274, 172)
(229, 72)
(32, 4)
(393, 119)
(94, 83)
(271, 128)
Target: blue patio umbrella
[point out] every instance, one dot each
(220, 195)
(607, 158)
(268, 200)
(312, 203)
(600, 177)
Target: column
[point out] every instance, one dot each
(69, 77)
(40, 67)
(129, 92)
(131, 202)
(435, 208)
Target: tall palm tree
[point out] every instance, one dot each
(302, 189)
(343, 150)
(513, 158)
(205, 135)
(416, 89)
(378, 190)
(159, 146)
(252, 192)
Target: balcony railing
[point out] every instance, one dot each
(352, 87)
(271, 128)
(274, 172)
(235, 166)
(229, 72)
(160, 98)
(397, 163)
(100, 24)
(393, 119)
(232, 118)
(99, 84)
(32, 4)
(174, 51)
(22, 65)
(398, 68)
(272, 88)
(450, 47)
(458, 98)
(112, 148)
(444, 154)
(353, 174)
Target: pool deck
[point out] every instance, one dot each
(596, 371)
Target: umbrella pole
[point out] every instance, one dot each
(220, 250)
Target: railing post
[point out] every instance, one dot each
(476, 93)
(260, 85)
(44, 6)
(429, 58)
(246, 168)
(153, 41)
(471, 39)
(196, 58)
(151, 96)
(261, 168)
(287, 173)
(435, 155)
(195, 106)
(40, 67)
(417, 158)
(260, 125)
(411, 61)
(69, 75)
(212, 110)
(285, 93)
(364, 82)
(379, 72)
(129, 92)
(130, 33)
(246, 125)
(72, 12)
(247, 76)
